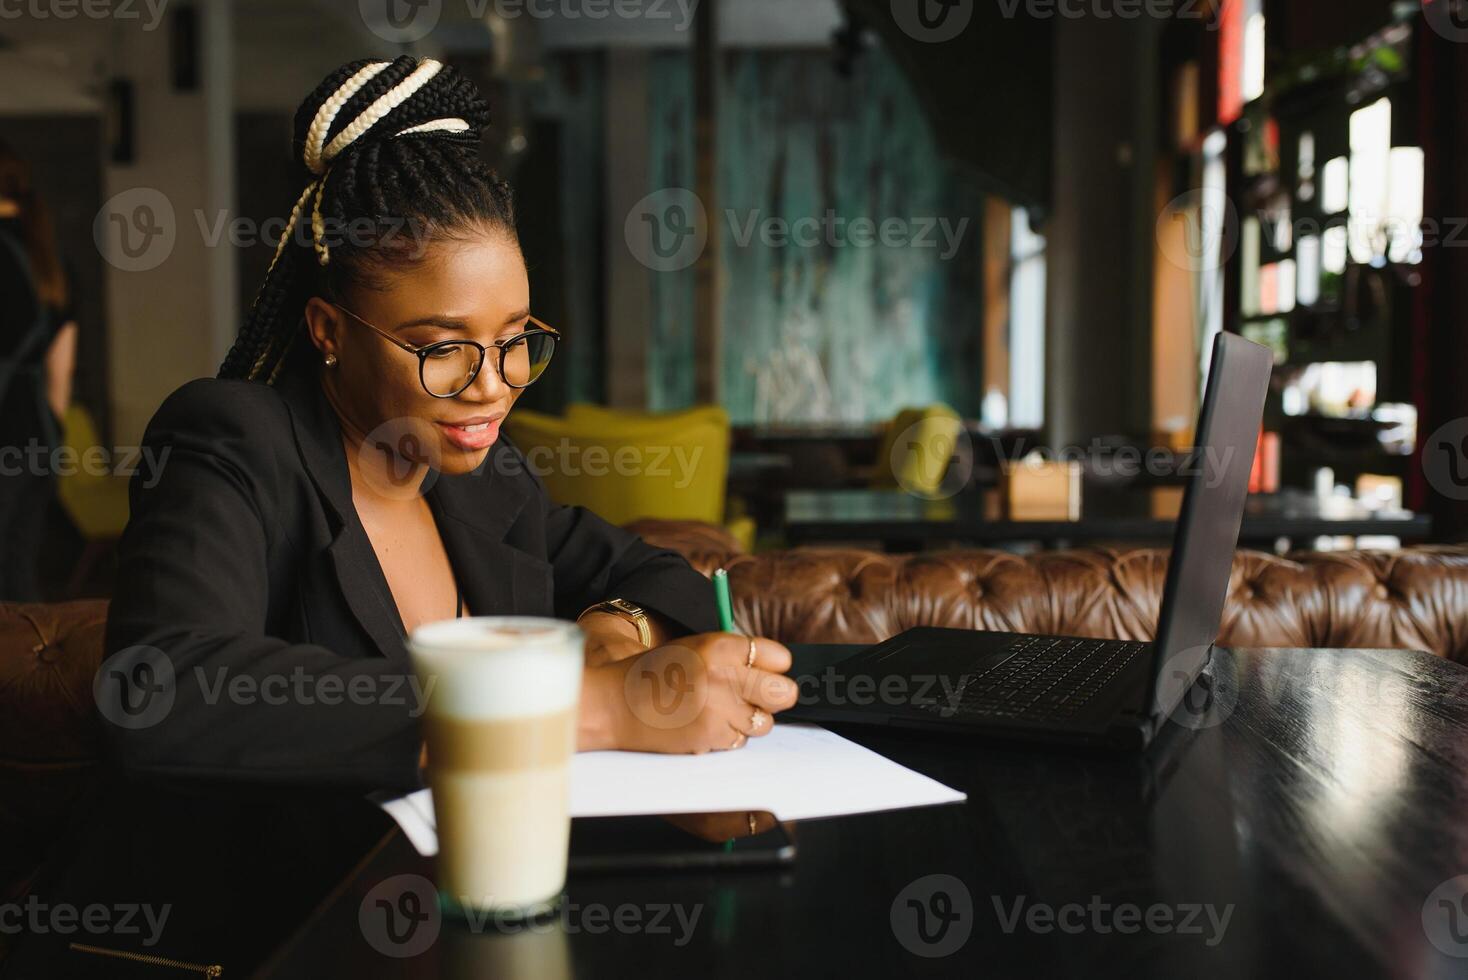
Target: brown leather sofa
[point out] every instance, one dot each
(1411, 599)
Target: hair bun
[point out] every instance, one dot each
(371, 101)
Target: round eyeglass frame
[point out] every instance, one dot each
(502, 346)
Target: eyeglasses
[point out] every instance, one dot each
(448, 367)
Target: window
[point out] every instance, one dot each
(1026, 324)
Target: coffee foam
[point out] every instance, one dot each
(499, 667)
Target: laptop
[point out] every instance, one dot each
(1073, 689)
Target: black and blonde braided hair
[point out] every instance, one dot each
(388, 145)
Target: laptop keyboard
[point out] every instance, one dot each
(1048, 678)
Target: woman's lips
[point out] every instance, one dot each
(472, 437)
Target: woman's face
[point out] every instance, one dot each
(471, 289)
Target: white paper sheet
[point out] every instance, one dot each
(797, 772)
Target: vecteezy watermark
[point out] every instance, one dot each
(407, 21)
(667, 688)
(1449, 18)
(1102, 917)
(936, 21)
(933, 916)
(1445, 459)
(138, 229)
(137, 688)
(1203, 684)
(932, 21)
(932, 458)
(834, 232)
(1126, 462)
(1111, 9)
(35, 459)
(570, 459)
(1198, 230)
(38, 917)
(400, 917)
(1445, 917)
(149, 11)
(939, 691)
(668, 230)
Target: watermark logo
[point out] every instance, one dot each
(666, 688)
(1449, 18)
(1198, 230)
(1208, 701)
(400, 917)
(932, 21)
(1207, 921)
(88, 9)
(400, 21)
(1445, 917)
(136, 230)
(393, 456)
(668, 229)
(933, 916)
(40, 918)
(1445, 459)
(932, 458)
(135, 688)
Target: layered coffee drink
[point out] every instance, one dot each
(501, 730)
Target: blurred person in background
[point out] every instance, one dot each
(37, 358)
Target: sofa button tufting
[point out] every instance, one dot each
(1381, 591)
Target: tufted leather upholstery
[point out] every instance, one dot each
(1412, 599)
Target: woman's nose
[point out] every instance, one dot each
(488, 385)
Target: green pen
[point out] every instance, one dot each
(726, 604)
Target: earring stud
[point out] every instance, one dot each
(331, 360)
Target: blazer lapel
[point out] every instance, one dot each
(474, 512)
(359, 575)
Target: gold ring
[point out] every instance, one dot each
(752, 829)
(750, 662)
(757, 719)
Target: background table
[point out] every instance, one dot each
(1316, 798)
(901, 520)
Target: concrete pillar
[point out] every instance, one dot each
(172, 307)
(1100, 239)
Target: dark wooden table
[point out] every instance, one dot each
(1304, 820)
(902, 520)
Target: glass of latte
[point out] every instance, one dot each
(501, 729)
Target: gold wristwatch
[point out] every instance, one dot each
(626, 610)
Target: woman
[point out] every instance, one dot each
(343, 481)
(37, 357)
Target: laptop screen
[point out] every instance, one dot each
(1212, 511)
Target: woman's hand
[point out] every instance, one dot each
(695, 694)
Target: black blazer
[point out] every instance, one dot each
(246, 573)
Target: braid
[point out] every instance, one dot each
(392, 142)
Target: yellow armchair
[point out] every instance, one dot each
(916, 448)
(628, 465)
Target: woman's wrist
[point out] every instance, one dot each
(609, 638)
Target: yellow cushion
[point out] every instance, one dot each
(95, 502)
(624, 466)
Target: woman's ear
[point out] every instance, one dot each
(323, 325)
